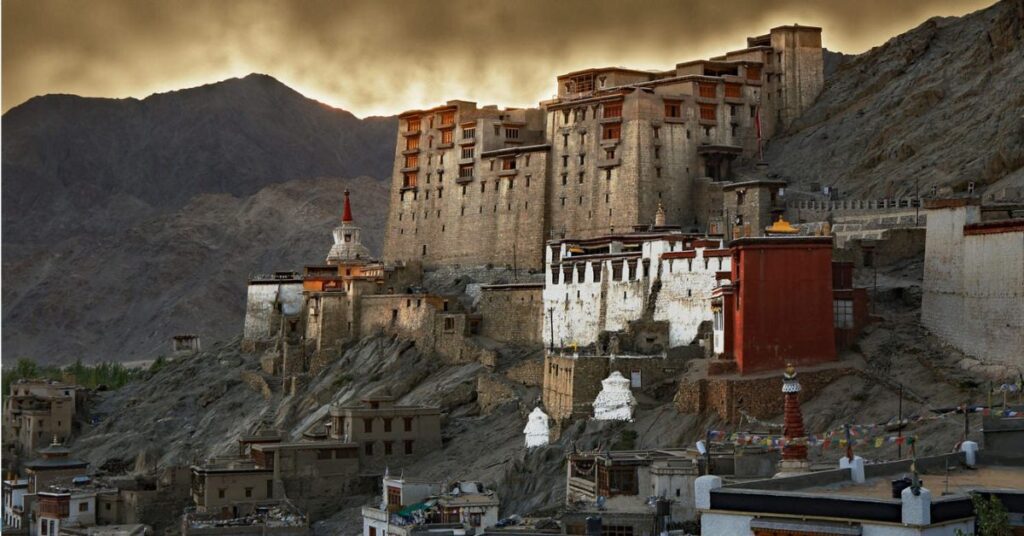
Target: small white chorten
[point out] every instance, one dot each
(347, 247)
(537, 431)
(615, 402)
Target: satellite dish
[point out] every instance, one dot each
(701, 448)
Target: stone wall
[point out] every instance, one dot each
(760, 398)
(512, 313)
(264, 303)
(572, 382)
(973, 291)
(492, 390)
(422, 318)
(529, 372)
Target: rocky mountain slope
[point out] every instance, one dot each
(941, 103)
(126, 221)
(121, 294)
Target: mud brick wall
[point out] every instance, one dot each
(512, 314)
(760, 398)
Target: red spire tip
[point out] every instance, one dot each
(347, 214)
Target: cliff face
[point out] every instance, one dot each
(127, 221)
(941, 103)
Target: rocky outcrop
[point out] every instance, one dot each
(940, 104)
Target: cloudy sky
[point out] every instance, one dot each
(382, 56)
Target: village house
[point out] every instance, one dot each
(71, 503)
(643, 492)
(36, 412)
(388, 435)
(410, 505)
(884, 498)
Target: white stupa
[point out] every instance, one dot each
(615, 402)
(536, 431)
(347, 248)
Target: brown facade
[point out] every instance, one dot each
(386, 434)
(512, 313)
(477, 186)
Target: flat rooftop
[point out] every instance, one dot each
(959, 481)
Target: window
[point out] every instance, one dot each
(617, 530)
(248, 492)
(740, 195)
(565, 161)
(368, 425)
(412, 125)
(83, 507)
(411, 161)
(611, 132)
(220, 493)
(672, 109)
(449, 324)
(412, 143)
(409, 180)
(467, 152)
(708, 112)
(656, 131)
(512, 133)
(733, 91)
(394, 496)
(468, 133)
(368, 449)
(408, 446)
(508, 163)
(270, 489)
(466, 171)
(565, 139)
(842, 311)
(447, 118)
(622, 480)
(408, 423)
(387, 425)
(612, 110)
(583, 159)
(707, 89)
(753, 72)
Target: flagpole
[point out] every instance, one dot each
(899, 427)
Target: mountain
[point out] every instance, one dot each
(85, 164)
(127, 221)
(941, 104)
(120, 296)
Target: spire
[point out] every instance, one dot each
(347, 214)
(793, 426)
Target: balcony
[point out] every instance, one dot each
(411, 169)
(467, 161)
(463, 179)
(610, 120)
(375, 514)
(608, 162)
(508, 172)
(408, 133)
(467, 141)
(414, 150)
(448, 145)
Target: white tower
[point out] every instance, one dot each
(615, 402)
(347, 247)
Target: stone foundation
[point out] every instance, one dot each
(758, 397)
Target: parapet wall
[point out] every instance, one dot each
(973, 292)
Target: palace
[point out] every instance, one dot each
(475, 186)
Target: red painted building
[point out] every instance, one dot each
(779, 304)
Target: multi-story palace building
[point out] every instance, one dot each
(476, 186)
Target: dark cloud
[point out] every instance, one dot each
(380, 57)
